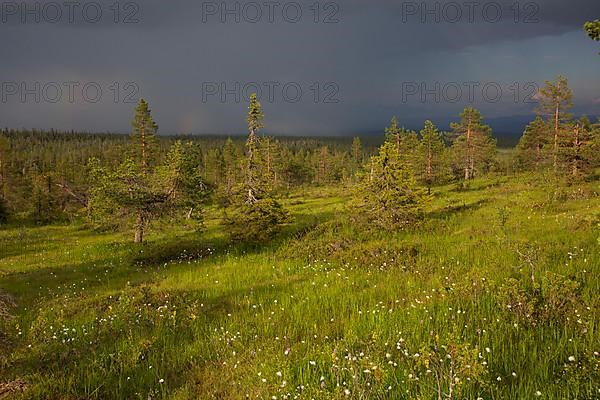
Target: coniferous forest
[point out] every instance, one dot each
(427, 263)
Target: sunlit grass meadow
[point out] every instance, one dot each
(493, 296)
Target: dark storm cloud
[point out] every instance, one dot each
(172, 51)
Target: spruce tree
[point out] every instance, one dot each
(388, 195)
(255, 122)
(256, 216)
(180, 179)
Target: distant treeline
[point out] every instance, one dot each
(42, 173)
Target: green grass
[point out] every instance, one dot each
(331, 309)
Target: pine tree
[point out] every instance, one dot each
(357, 151)
(135, 190)
(393, 134)
(533, 145)
(144, 135)
(431, 155)
(578, 154)
(406, 141)
(555, 99)
(45, 198)
(593, 29)
(389, 195)
(474, 147)
(592, 148)
(144, 139)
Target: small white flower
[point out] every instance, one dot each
(278, 373)
(571, 358)
(161, 380)
(538, 393)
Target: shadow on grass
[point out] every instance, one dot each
(449, 210)
(126, 269)
(127, 263)
(193, 247)
(465, 187)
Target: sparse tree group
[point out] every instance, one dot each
(133, 181)
(569, 147)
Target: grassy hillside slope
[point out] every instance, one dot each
(494, 296)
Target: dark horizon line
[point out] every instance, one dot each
(500, 132)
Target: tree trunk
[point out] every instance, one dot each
(251, 167)
(576, 150)
(429, 167)
(139, 230)
(2, 188)
(468, 171)
(556, 117)
(472, 166)
(144, 153)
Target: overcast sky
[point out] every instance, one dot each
(323, 68)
